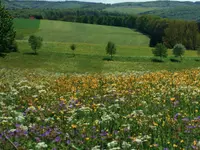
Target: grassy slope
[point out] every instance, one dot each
(56, 56)
(25, 27)
(58, 31)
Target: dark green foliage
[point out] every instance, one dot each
(111, 49)
(35, 42)
(152, 26)
(73, 47)
(7, 33)
(179, 50)
(184, 32)
(160, 51)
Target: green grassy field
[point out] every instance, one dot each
(129, 10)
(133, 53)
(25, 27)
(57, 57)
(58, 31)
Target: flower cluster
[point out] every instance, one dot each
(158, 110)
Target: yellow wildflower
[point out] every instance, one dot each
(74, 126)
(172, 99)
(87, 138)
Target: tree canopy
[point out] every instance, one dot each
(160, 50)
(111, 49)
(7, 33)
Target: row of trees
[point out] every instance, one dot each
(160, 50)
(159, 30)
(169, 31)
(35, 43)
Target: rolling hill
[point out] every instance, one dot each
(166, 9)
(133, 52)
(59, 31)
(183, 12)
(52, 5)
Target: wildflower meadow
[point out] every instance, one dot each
(128, 111)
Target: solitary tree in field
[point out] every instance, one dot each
(73, 48)
(179, 50)
(160, 51)
(7, 33)
(35, 42)
(111, 49)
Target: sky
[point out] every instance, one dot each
(118, 1)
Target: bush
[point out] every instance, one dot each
(160, 51)
(111, 49)
(35, 42)
(73, 48)
(179, 50)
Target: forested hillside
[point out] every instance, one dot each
(164, 9)
(183, 12)
(52, 5)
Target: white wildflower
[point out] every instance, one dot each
(115, 148)
(31, 108)
(198, 144)
(106, 117)
(41, 145)
(20, 118)
(42, 91)
(25, 128)
(126, 145)
(137, 140)
(12, 130)
(112, 144)
(35, 96)
(96, 148)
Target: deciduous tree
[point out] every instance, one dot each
(160, 51)
(111, 49)
(35, 42)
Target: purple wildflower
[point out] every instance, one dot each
(57, 139)
(68, 142)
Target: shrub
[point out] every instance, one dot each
(160, 51)
(111, 49)
(73, 48)
(179, 50)
(35, 42)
